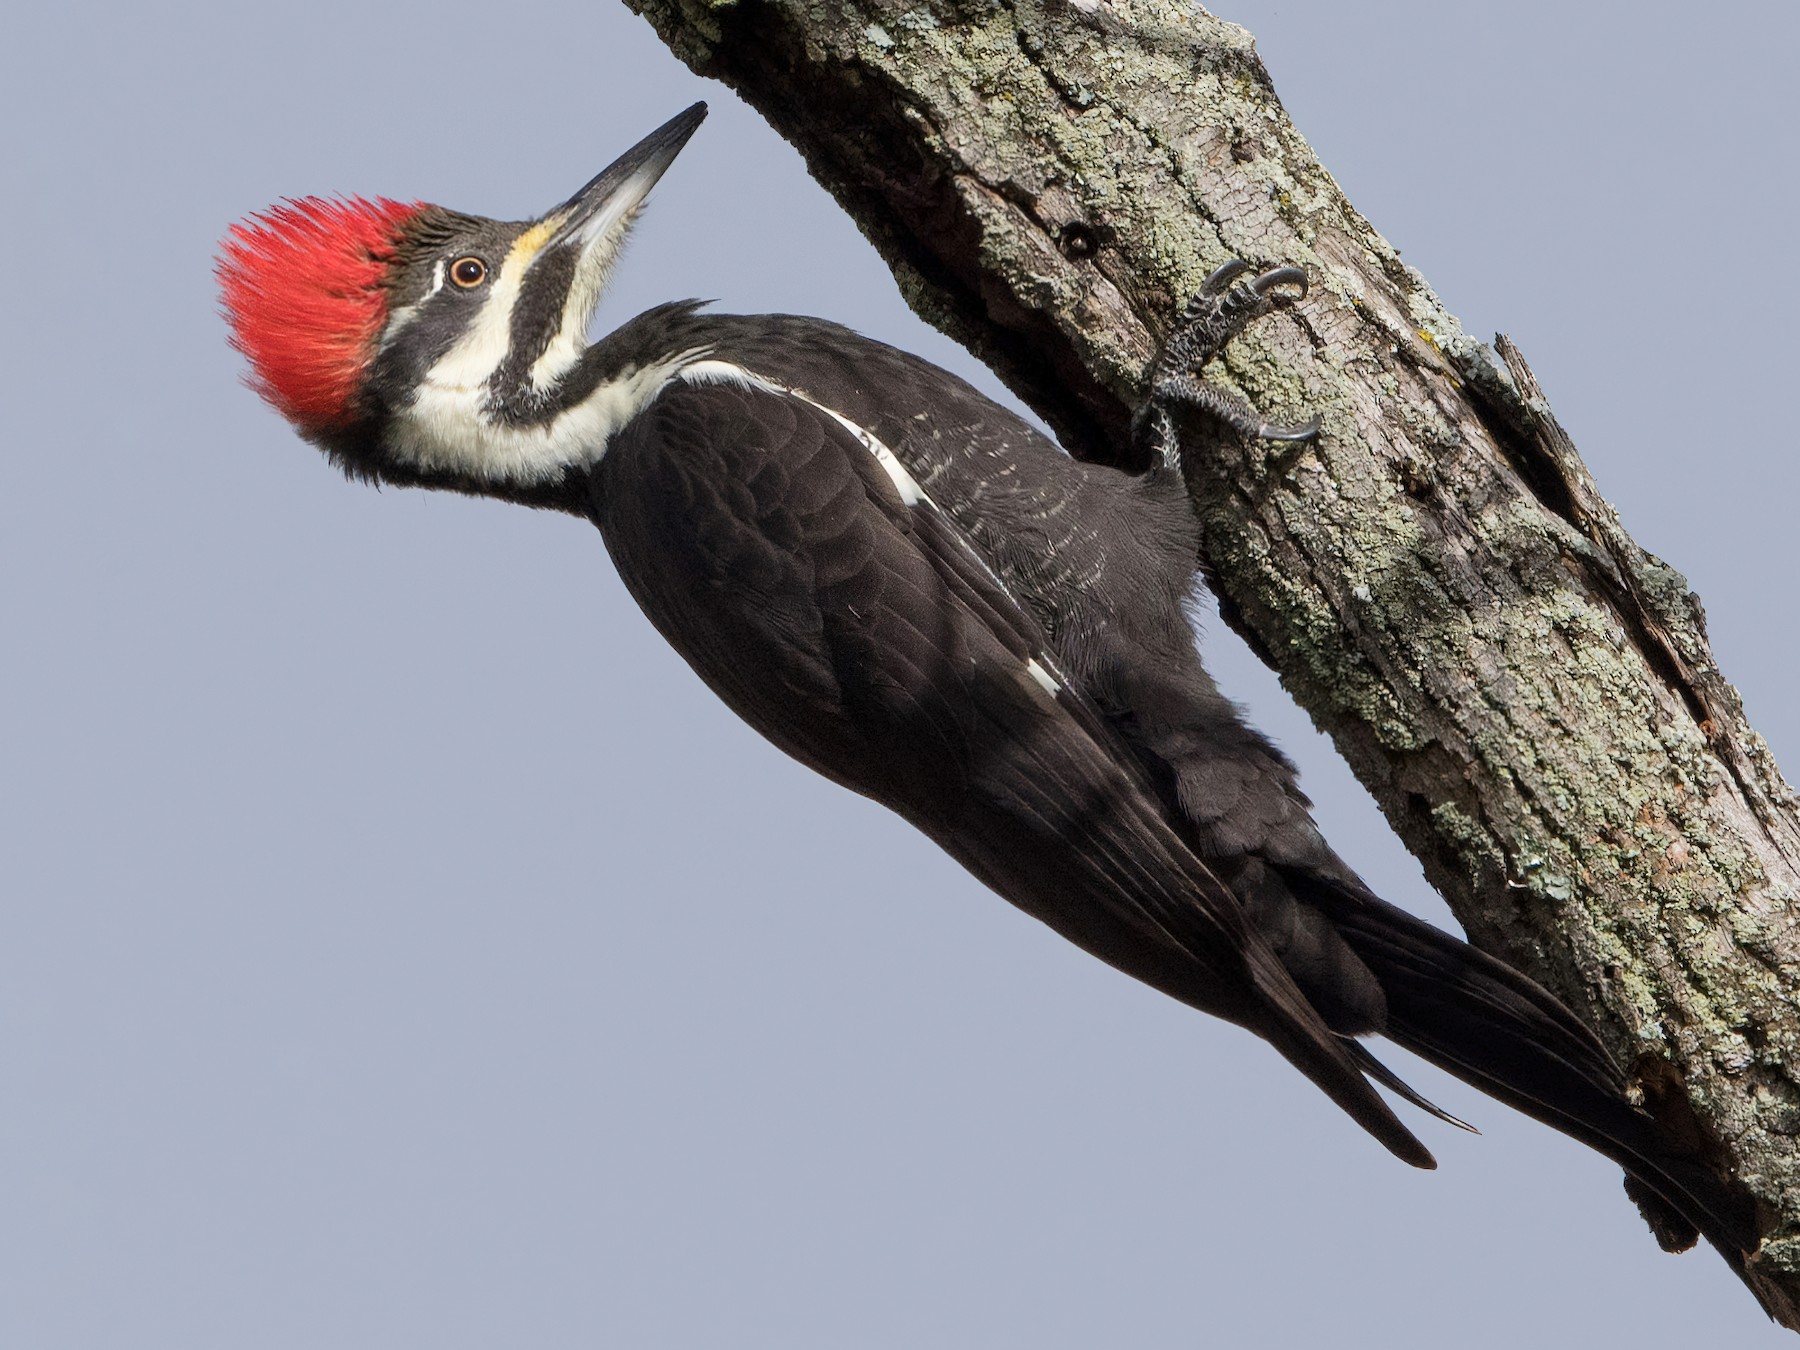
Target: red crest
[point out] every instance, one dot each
(303, 289)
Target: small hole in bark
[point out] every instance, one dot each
(1078, 242)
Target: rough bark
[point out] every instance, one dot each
(1530, 696)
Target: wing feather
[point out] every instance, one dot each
(869, 638)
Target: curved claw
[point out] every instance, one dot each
(1272, 431)
(1223, 276)
(1280, 276)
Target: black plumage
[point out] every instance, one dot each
(911, 590)
(886, 645)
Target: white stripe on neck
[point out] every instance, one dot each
(727, 372)
(449, 428)
(1042, 668)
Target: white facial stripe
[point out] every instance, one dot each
(483, 345)
(1042, 668)
(570, 340)
(449, 427)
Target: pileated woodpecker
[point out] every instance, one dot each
(911, 590)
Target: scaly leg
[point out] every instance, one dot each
(1212, 318)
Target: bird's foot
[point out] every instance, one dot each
(1224, 307)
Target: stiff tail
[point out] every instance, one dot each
(1503, 1033)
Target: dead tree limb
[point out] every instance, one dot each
(1530, 696)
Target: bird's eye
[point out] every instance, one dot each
(468, 272)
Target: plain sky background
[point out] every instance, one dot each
(399, 947)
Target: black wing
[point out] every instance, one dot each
(868, 638)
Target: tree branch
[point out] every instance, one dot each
(1529, 696)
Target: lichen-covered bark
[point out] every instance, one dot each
(1529, 696)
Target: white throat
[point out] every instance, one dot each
(451, 427)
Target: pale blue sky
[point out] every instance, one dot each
(400, 947)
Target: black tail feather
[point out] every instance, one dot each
(1503, 1033)
(1397, 1085)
